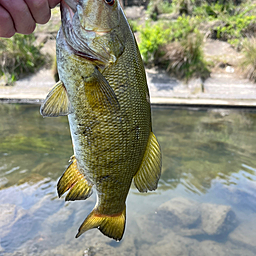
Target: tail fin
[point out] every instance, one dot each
(110, 225)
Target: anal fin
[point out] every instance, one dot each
(56, 102)
(150, 170)
(110, 225)
(75, 182)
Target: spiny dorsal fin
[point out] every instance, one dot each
(150, 170)
(56, 102)
(100, 94)
(75, 181)
(110, 225)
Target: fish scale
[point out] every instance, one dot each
(104, 92)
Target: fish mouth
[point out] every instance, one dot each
(73, 36)
(71, 4)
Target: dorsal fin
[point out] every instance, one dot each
(56, 102)
(150, 170)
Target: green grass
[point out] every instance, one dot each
(18, 57)
(177, 44)
(185, 58)
(248, 63)
(152, 37)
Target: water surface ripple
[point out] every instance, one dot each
(205, 203)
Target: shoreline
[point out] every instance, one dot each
(163, 102)
(221, 90)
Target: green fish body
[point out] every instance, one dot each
(104, 92)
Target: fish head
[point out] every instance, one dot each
(92, 29)
(99, 15)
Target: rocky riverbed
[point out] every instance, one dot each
(179, 226)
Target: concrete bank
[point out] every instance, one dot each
(220, 90)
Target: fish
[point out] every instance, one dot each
(103, 91)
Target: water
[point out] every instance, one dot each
(205, 203)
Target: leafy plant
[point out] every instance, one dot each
(151, 38)
(176, 46)
(183, 26)
(19, 56)
(235, 27)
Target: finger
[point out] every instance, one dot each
(8, 29)
(40, 10)
(53, 3)
(21, 16)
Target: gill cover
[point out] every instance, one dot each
(99, 15)
(90, 29)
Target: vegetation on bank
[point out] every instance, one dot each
(22, 55)
(171, 36)
(19, 56)
(174, 33)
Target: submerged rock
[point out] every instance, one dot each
(176, 245)
(217, 219)
(193, 219)
(172, 244)
(179, 211)
(245, 234)
(212, 248)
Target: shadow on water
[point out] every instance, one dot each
(205, 203)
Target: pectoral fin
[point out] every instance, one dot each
(75, 181)
(110, 225)
(56, 102)
(150, 170)
(100, 94)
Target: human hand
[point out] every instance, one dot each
(21, 16)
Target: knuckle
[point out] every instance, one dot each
(27, 30)
(31, 28)
(7, 34)
(40, 10)
(5, 18)
(44, 19)
(8, 29)
(39, 4)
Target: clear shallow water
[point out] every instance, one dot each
(205, 203)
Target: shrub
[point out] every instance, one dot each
(185, 58)
(176, 46)
(19, 56)
(248, 63)
(182, 27)
(235, 27)
(151, 38)
(157, 7)
(154, 36)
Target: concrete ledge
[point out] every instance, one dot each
(162, 101)
(203, 102)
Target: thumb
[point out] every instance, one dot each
(53, 3)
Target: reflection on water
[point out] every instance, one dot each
(205, 203)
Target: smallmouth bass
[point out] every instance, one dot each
(103, 90)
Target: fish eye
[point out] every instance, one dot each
(110, 2)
